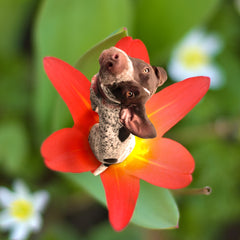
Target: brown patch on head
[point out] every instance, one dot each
(150, 77)
(117, 67)
(129, 92)
(133, 97)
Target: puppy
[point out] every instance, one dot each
(119, 93)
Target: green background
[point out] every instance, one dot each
(30, 110)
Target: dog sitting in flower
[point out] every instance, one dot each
(159, 161)
(118, 94)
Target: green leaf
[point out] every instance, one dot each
(104, 231)
(14, 146)
(88, 63)
(67, 29)
(59, 231)
(90, 183)
(14, 95)
(14, 17)
(165, 22)
(156, 207)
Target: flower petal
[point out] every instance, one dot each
(36, 222)
(134, 48)
(121, 194)
(162, 162)
(73, 87)
(40, 200)
(170, 105)
(6, 197)
(20, 231)
(21, 190)
(67, 150)
(6, 219)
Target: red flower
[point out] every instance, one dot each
(159, 161)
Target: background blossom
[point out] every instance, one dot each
(194, 55)
(21, 212)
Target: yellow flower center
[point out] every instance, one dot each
(139, 152)
(21, 209)
(141, 148)
(194, 57)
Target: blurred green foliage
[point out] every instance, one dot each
(32, 29)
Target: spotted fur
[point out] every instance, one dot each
(121, 114)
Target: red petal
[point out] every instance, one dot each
(170, 105)
(73, 87)
(121, 194)
(67, 150)
(134, 48)
(162, 162)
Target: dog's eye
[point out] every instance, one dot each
(129, 94)
(146, 70)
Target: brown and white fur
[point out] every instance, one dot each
(119, 93)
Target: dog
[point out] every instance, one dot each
(118, 94)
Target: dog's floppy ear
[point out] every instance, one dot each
(161, 75)
(135, 119)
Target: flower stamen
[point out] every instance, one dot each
(21, 209)
(194, 57)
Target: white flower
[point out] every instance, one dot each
(21, 212)
(193, 56)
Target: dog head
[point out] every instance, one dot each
(130, 82)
